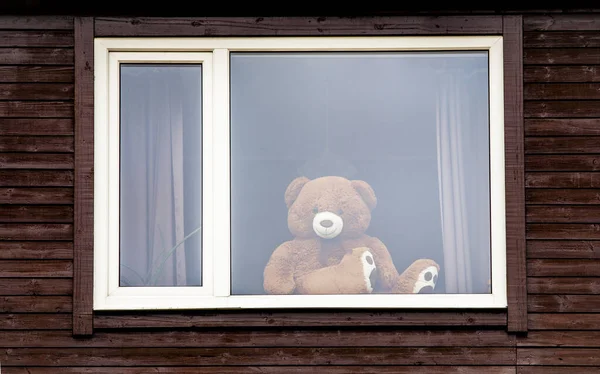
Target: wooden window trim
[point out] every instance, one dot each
(514, 318)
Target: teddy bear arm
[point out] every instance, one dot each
(387, 273)
(319, 282)
(279, 271)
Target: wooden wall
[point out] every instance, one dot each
(562, 145)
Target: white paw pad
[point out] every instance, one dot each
(369, 270)
(426, 281)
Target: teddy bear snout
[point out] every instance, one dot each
(326, 223)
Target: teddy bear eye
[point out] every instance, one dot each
(315, 210)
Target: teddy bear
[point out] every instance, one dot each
(330, 252)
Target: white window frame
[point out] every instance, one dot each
(213, 53)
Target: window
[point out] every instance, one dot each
(212, 154)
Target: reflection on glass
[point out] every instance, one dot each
(412, 126)
(160, 176)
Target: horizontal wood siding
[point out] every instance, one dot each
(562, 146)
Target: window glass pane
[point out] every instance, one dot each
(413, 126)
(160, 177)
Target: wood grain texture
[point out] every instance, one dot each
(564, 303)
(23, 160)
(564, 109)
(562, 127)
(297, 319)
(562, 180)
(563, 285)
(561, 73)
(562, 56)
(563, 267)
(83, 246)
(36, 91)
(561, 91)
(555, 145)
(41, 269)
(562, 163)
(35, 286)
(560, 339)
(515, 178)
(36, 126)
(35, 38)
(562, 22)
(36, 250)
(36, 56)
(35, 321)
(36, 304)
(563, 214)
(256, 356)
(555, 370)
(563, 249)
(262, 338)
(34, 195)
(42, 178)
(564, 321)
(557, 39)
(296, 26)
(52, 144)
(36, 109)
(36, 213)
(562, 196)
(36, 231)
(24, 22)
(36, 74)
(559, 356)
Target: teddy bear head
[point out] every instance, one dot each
(329, 207)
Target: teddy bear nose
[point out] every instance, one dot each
(326, 223)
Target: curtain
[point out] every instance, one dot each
(159, 216)
(463, 159)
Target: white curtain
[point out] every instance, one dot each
(464, 196)
(154, 219)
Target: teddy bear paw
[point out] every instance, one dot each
(426, 281)
(369, 270)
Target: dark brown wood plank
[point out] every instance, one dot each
(562, 180)
(329, 369)
(563, 268)
(24, 195)
(262, 338)
(560, 22)
(562, 127)
(566, 214)
(83, 281)
(561, 73)
(561, 285)
(36, 91)
(562, 162)
(44, 178)
(561, 91)
(37, 321)
(547, 145)
(557, 39)
(288, 26)
(36, 126)
(256, 356)
(564, 321)
(36, 144)
(572, 231)
(36, 250)
(35, 109)
(36, 286)
(36, 213)
(555, 370)
(563, 56)
(35, 304)
(297, 319)
(564, 303)
(35, 38)
(36, 56)
(557, 109)
(40, 269)
(562, 196)
(563, 249)
(559, 356)
(36, 74)
(36, 22)
(36, 161)
(515, 191)
(36, 231)
(559, 339)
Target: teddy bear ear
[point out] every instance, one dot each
(366, 192)
(293, 190)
